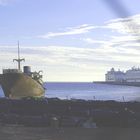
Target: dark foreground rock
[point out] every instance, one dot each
(57, 113)
(45, 133)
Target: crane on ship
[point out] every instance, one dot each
(19, 60)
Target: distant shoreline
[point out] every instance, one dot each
(136, 84)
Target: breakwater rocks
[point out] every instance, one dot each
(69, 113)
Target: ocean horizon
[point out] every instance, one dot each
(89, 91)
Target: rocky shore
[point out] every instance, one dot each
(58, 113)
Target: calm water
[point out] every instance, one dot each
(90, 91)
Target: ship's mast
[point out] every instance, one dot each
(19, 60)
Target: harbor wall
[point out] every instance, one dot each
(137, 84)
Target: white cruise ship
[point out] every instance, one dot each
(131, 75)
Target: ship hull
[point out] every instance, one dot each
(19, 85)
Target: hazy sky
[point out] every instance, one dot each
(71, 40)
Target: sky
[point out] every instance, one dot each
(70, 40)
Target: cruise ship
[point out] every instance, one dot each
(130, 77)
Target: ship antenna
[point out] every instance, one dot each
(19, 60)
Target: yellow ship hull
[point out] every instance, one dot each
(19, 85)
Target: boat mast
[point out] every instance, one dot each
(19, 60)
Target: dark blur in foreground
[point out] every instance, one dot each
(42, 133)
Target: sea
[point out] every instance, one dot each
(89, 91)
